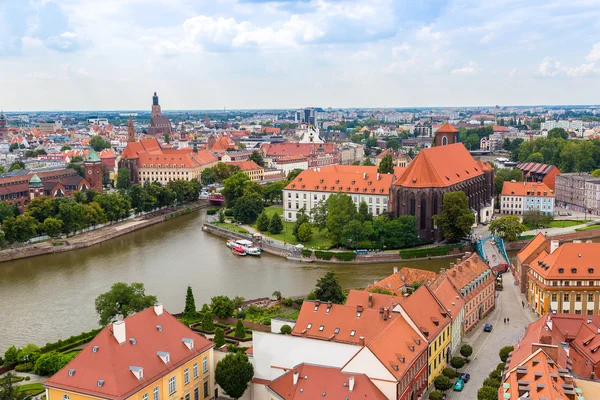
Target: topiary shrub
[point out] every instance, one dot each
(345, 256)
(436, 395)
(500, 367)
(307, 253)
(442, 383)
(323, 255)
(285, 330)
(450, 373)
(27, 378)
(25, 367)
(504, 352)
(495, 383)
(487, 393)
(495, 374)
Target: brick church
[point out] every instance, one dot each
(445, 167)
(159, 125)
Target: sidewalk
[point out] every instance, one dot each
(558, 231)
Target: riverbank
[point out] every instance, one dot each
(99, 235)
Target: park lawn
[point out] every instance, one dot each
(32, 389)
(319, 239)
(526, 237)
(588, 228)
(564, 223)
(231, 227)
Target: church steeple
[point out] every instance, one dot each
(130, 131)
(155, 99)
(155, 106)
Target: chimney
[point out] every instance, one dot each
(553, 245)
(296, 376)
(351, 383)
(364, 175)
(459, 267)
(395, 270)
(361, 340)
(317, 303)
(118, 330)
(468, 262)
(158, 308)
(370, 300)
(359, 308)
(378, 176)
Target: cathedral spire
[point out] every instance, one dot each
(130, 131)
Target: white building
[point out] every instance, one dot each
(517, 198)
(574, 125)
(310, 134)
(315, 185)
(290, 163)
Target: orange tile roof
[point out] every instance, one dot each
(466, 271)
(288, 149)
(500, 128)
(447, 128)
(440, 166)
(393, 283)
(248, 165)
(112, 361)
(184, 158)
(315, 380)
(537, 189)
(569, 261)
(359, 297)
(343, 178)
(134, 149)
(531, 247)
(448, 295)
(412, 276)
(426, 311)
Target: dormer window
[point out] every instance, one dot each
(574, 270)
(352, 333)
(188, 342)
(336, 331)
(309, 326)
(72, 372)
(138, 372)
(164, 356)
(561, 270)
(321, 328)
(591, 270)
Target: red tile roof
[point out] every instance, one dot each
(313, 381)
(470, 267)
(134, 149)
(531, 247)
(112, 361)
(426, 311)
(358, 297)
(537, 189)
(569, 261)
(447, 128)
(500, 128)
(245, 165)
(440, 166)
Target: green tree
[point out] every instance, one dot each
(207, 176)
(442, 383)
(508, 227)
(559, 133)
(466, 351)
(328, 289)
(319, 215)
(208, 323)
(504, 352)
(9, 391)
(16, 166)
(487, 393)
(340, 211)
(11, 356)
(72, 216)
(536, 219)
(293, 174)
(6, 211)
(43, 207)
(238, 302)
(505, 175)
(219, 338)
(400, 232)
(190, 304)
(457, 362)
(491, 382)
(222, 306)
(274, 192)
(304, 232)
(98, 143)
(275, 225)
(596, 173)
(262, 222)
(20, 228)
(456, 218)
(368, 163)
(52, 227)
(285, 330)
(276, 295)
(115, 206)
(121, 301)
(386, 165)
(247, 208)
(166, 138)
(233, 373)
(240, 333)
(352, 232)
(450, 373)
(471, 142)
(363, 212)
(65, 147)
(536, 157)
(257, 158)
(233, 188)
(301, 217)
(123, 181)
(436, 395)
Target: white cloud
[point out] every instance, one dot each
(549, 67)
(488, 38)
(594, 54)
(470, 68)
(39, 75)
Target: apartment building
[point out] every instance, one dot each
(579, 192)
(252, 170)
(517, 198)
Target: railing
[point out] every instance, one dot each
(479, 245)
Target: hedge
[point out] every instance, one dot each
(229, 212)
(345, 256)
(212, 211)
(429, 252)
(307, 253)
(323, 255)
(61, 344)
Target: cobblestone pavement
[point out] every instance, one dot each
(487, 345)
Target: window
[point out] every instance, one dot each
(186, 376)
(205, 365)
(554, 297)
(352, 333)
(65, 397)
(566, 297)
(590, 297)
(145, 396)
(172, 386)
(196, 394)
(577, 297)
(195, 370)
(187, 396)
(205, 389)
(156, 394)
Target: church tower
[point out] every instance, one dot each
(36, 187)
(447, 134)
(130, 131)
(93, 170)
(155, 106)
(3, 127)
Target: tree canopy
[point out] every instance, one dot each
(328, 289)
(386, 166)
(340, 211)
(98, 143)
(233, 373)
(456, 218)
(508, 227)
(121, 301)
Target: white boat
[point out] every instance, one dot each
(204, 195)
(247, 245)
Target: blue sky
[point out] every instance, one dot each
(112, 54)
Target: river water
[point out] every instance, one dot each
(46, 298)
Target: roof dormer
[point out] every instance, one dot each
(164, 356)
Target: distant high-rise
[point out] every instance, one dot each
(159, 125)
(307, 116)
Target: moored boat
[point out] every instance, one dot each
(249, 247)
(238, 250)
(216, 199)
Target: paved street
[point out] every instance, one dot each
(487, 345)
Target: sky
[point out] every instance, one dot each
(240, 54)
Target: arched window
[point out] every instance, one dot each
(423, 212)
(444, 140)
(412, 204)
(65, 397)
(435, 204)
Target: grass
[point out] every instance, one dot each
(588, 228)
(262, 315)
(566, 223)
(526, 237)
(319, 239)
(231, 227)
(73, 352)
(32, 389)
(13, 379)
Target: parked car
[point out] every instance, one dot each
(459, 385)
(487, 328)
(464, 377)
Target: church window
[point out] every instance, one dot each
(444, 140)
(423, 212)
(412, 205)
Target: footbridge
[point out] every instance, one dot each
(492, 250)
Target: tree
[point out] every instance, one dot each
(368, 163)
(596, 173)
(277, 295)
(50, 363)
(557, 133)
(293, 174)
(72, 216)
(247, 208)
(471, 142)
(466, 351)
(123, 181)
(233, 373)
(536, 219)
(442, 383)
(363, 212)
(6, 211)
(257, 158)
(52, 227)
(386, 166)
(457, 362)
(436, 395)
(328, 289)
(456, 218)
(304, 232)
(340, 211)
(121, 301)
(301, 218)
(190, 304)
(11, 356)
(274, 192)
(98, 143)
(208, 323)
(536, 157)
(238, 302)
(319, 215)
(275, 225)
(399, 233)
(240, 333)
(65, 147)
(505, 175)
(450, 373)
(20, 228)
(262, 222)
(352, 232)
(508, 227)
(166, 138)
(219, 338)
(233, 188)
(207, 176)
(491, 382)
(16, 166)
(487, 393)
(504, 352)
(8, 391)
(222, 306)
(285, 330)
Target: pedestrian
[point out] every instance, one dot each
(504, 320)
(508, 320)
(523, 304)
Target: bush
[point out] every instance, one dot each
(428, 252)
(504, 352)
(27, 378)
(495, 383)
(442, 383)
(323, 255)
(487, 393)
(495, 374)
(229, 212)
(287, 302)
(50, 363)
(240, 333)
(240, 314)
(449, 372)
(500, 367)
(311, 296)
(436, 395)
(26, 367)
(457, 362)
(345, 256)
(307, 253)
(285, 330)
(212, 211)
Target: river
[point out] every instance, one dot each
(51, 297)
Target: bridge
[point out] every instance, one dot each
(492, 250)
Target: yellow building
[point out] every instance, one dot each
(148, 356)
(254, 171)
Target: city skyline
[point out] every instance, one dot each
(82, 55)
